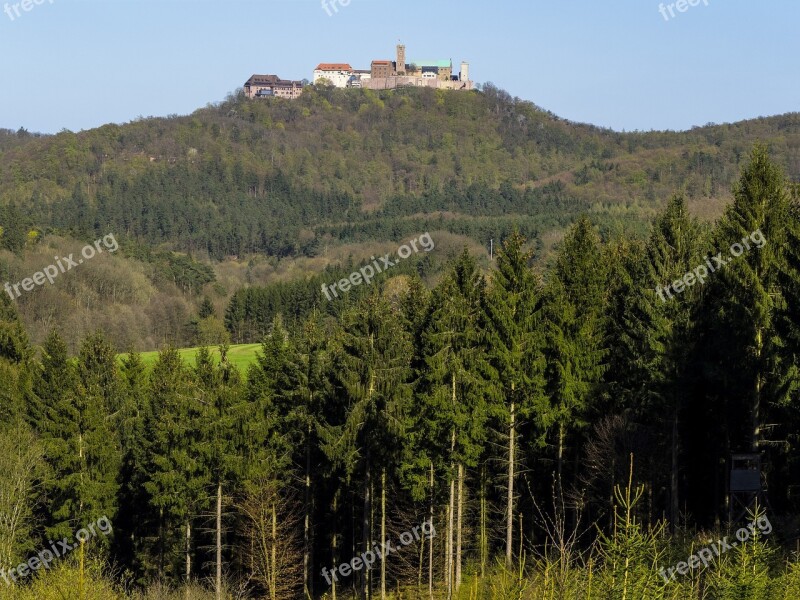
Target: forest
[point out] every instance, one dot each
(518, 428)
(263, 193)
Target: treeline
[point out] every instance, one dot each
(512, 411)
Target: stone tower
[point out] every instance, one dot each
(400, 67)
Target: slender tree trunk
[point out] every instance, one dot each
(161, 542)
(187, 549)
(561, 435)
(451, 505)
(510, 500)
(334, 548)
(757, 399)
(430, 543)
(308, 582)
(420, 566)
(274, 567)
(366, 534)
(484, 550)
(449, 558)
(219, 542)
(383, 533)
(459, 525)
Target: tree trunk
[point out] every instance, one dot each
(484, 549)
(420, 566)
(757, 399)
(459, 525)
(450, 511)
(451, 504)
(308, 581)
(274, 568)
(366, 534)
(161, 542)
(334, 549)
(219, 542)
(187, 549)
(430, 543)
(383, 533)
(510, 500)
(561, 435)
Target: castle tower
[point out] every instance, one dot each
(464, 76)
(400, 67)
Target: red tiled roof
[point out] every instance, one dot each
(334, 67)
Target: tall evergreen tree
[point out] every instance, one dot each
(220, 393)
(78, 433)
(177, 481)
(515, 343)
(16, 394)
(457, 386)
(373, 372)
(746, 375)
(656, 331)
(575, 299)
(131, 531)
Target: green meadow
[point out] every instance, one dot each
(240, 355)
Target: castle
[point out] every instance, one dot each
(382, 75)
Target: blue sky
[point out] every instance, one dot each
(78, 64)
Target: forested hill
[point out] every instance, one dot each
(249, 192)
(278, 177)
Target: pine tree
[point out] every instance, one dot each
(456, 384)
(654, 335)
(98, 400)
(372, 374)
(16, 395)
(177, 481)
(272, 387)
(78, 434)
(515, 344)
(788, 415)
(312, 366)
(220, 393)
(135, 407)
(746, 297)
(575, 298)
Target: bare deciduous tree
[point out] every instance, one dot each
(273, 524)
(21, 466)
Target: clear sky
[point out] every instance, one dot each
(78, 64)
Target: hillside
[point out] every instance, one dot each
(270, 190)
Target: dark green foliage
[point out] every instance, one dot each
(397, 391)
(574, 310)
(177, 480)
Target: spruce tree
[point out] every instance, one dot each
(16, 396)
(653, 336)
(372, 375)
(746, 299)
(457, 386)
(515, 347)
(575, 299)
(177, 481)
(78, 433)
(131, 529)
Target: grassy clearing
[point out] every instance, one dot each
(240, 355)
